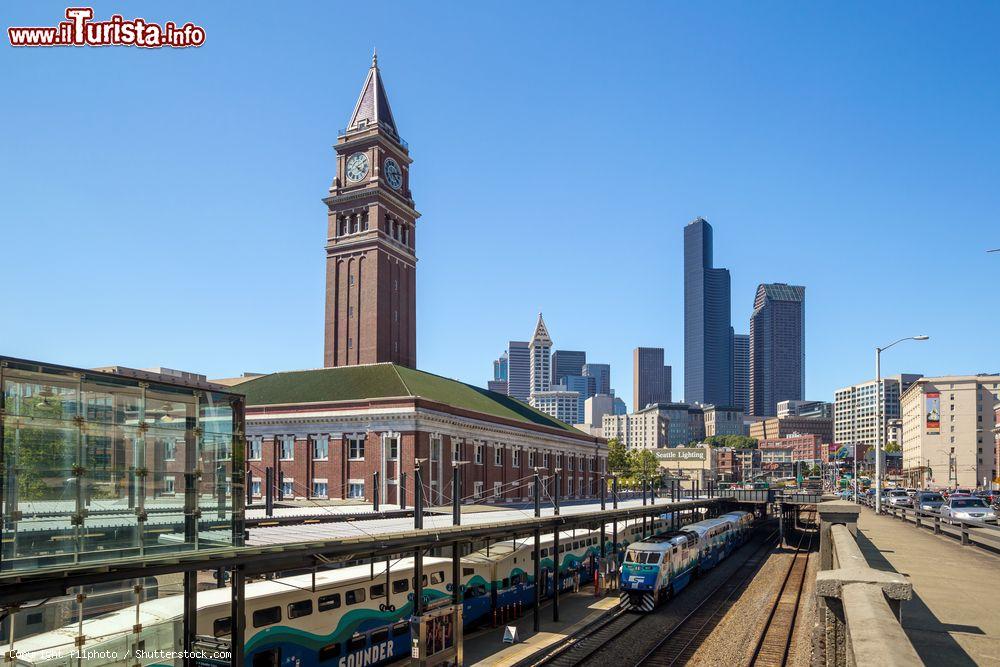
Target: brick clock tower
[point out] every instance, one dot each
(370, 260)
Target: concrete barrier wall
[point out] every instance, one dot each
(857, 606)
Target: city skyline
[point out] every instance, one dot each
(465, 316)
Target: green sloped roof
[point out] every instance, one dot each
(351, 383)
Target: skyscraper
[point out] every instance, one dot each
(741, 372)
(541, 362)
(500, 367)
(584, 385)
(650, 377)
(708, 344)
(567, 362)
(519, 370)
(371, 262)
(777, 347)
(602, 374)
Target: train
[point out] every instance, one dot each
(658, 567)
(352, 616)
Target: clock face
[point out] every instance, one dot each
(357, 167)
(393, 174)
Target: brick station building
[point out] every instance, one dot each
(327, 432)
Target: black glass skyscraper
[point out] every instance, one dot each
(777, 347)
(708, 341)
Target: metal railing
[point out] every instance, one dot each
(967, 531)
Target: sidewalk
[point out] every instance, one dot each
(954, 616)
(576, 610)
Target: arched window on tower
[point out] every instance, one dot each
(355, 223)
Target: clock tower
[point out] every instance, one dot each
(370, 247)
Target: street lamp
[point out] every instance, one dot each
(878, 418)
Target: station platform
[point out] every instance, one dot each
(954, 616)
(485, 647)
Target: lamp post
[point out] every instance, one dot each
(878, 417)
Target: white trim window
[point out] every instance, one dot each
(437, 448)
(545, 460)
(569, 486)
(321, 447)
(287, 488)
(571, 460)
(390, 444)
(356, 447)
(170, 450)
(479, 453)
(286, 447)
(531, 458)
(255, 448)
(169, 485)
(355, 488)
(498, 454)
(477, 490)
(497, 490)
(320, 488)
(456, 449)
(255, 488)
(515, 457)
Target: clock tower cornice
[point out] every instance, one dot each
(382, 195)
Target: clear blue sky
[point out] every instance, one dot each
(163, 207)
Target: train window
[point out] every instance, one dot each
(355, 643)
(270, 658)
(401, 628)
(400, 585)
(515, 580)
(267, 616)
(468, 571)
(329, 652)
(377, 591)
(328, 602)
(505, 583)
(379, 635)
(545, 553)
(300, 608)
(437, 577)
(355, 596)
(222, 627)
(576, 545)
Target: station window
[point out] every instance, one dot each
(267, 616)
(300, 608)
(328, 602)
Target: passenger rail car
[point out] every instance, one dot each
(352, 616)
(657, 568)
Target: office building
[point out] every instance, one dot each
(519, 370)
(559, 402)
(500, 367)
(583, 385)
(620, 407)
(777, 347)
(792, 408)
(741, 372)
(595, 407)
(805, 447)
(602, 376)
(650, 377)
(948, 427)
(642, 429)
(539, 350)
(499, 386)
(567, 362)
(771, 428)
(722, 420)
(708, 343)
(854, 408)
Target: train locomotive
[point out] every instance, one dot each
(660, 566)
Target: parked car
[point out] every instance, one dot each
(968, 509)
(928, 501)
(898, 498)
(911, 492)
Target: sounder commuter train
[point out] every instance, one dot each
(352, 616)
(660, 566)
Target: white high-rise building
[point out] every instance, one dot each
(559, 403)
(854, 408)
(540, 351)
(644, 429)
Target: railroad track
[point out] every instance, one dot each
(683, 640)
(594, 637)
(774, 642)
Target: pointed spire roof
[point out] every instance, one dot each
(373, 104)
(541, 333)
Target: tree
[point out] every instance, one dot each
(734, 441)
(892, 448)
(618, 458)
